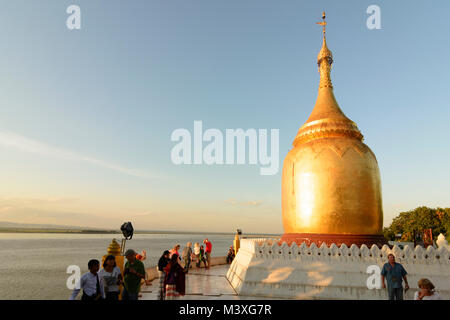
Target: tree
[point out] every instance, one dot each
(388, 233)
(415, 221)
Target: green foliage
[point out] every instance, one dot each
(388, 234)
(438, 220)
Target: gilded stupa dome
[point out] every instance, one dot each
(331, 185)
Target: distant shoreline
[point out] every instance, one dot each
(31, 230)
(89, 231)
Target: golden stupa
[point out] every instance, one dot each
(331, 189)
(114, 248)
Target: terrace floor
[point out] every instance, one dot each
(202, 284)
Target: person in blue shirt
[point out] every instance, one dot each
(394, 273)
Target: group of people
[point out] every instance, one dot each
(172, 267)
(395, 274)
(105, 284)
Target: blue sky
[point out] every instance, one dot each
(86, 115)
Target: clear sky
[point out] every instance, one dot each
(86, 115)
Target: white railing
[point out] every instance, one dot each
(271, 247)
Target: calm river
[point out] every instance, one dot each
(33, 266)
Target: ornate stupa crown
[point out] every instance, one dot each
(325, 53)
(327, 119)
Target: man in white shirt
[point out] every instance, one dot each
(91, 283)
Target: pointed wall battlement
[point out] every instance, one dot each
(265, 268)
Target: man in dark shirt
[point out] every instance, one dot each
(394, 273)
(162, 263)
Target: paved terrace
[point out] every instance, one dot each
(201, 284)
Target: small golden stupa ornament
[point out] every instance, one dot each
(114, 248)
(331, 188)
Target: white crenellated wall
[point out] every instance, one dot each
(265, 269)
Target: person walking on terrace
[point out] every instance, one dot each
(133, 273)
(394, 273)
(91, 283)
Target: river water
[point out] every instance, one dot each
(33, 266)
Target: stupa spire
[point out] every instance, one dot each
(327, 118)
(324, 58)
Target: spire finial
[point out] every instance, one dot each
(324, 59)
(323, 23)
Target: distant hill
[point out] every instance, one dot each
(14, 225)
(6, 226)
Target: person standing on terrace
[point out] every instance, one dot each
(201, 257)
(230, 255)
(112, 278)
(175, 279)
(186, 256)
(196, 254)
(208, 251)
(394, 273)
(91, 283)
(162, 263)
(133, 273)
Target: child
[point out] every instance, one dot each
(91, 283)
